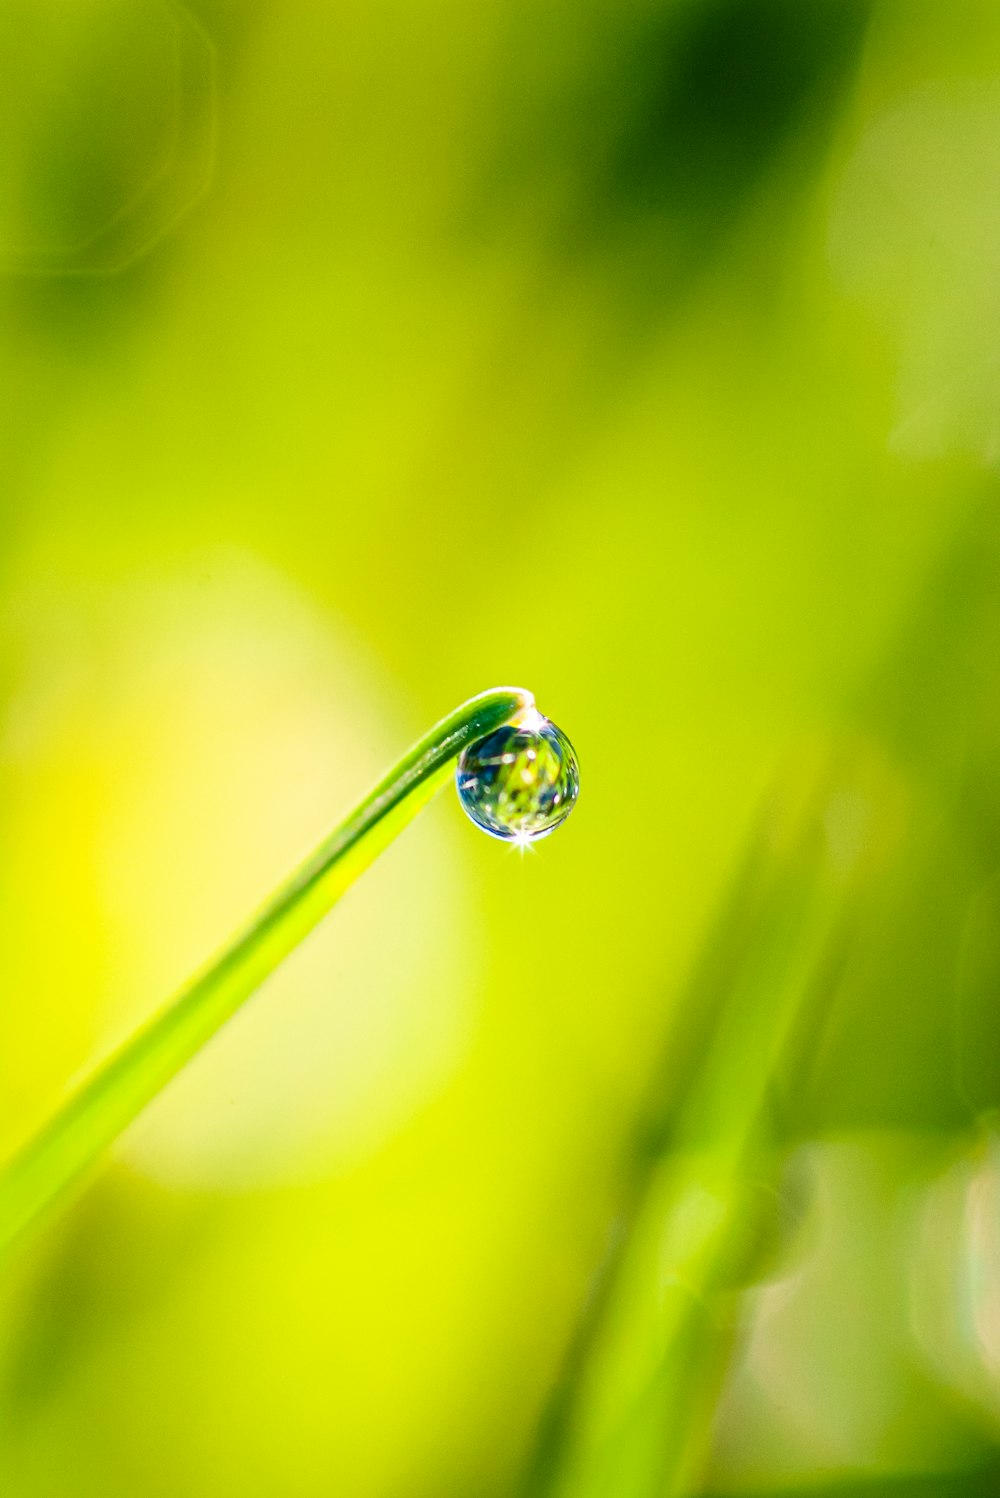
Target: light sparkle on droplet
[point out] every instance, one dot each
(532, 721)
(521, 781)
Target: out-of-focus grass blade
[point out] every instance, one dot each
(631, 1417)
(48, 1166)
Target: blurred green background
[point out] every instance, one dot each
(645, 353)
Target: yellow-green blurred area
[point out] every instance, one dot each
(645, 353)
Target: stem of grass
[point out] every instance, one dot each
(49, 1166)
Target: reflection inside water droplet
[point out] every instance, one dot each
(521, 781)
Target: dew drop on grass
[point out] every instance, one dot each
(520, 781)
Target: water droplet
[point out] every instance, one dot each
(521, 781)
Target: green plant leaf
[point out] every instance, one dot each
(49, 1166)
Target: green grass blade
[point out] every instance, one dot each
(632, 1413)
(56, 1159)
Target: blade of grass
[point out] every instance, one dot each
(631, 1414)
(49, 1165)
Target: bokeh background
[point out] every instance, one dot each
(646, 353)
